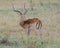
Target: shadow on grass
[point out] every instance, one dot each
(8, 43)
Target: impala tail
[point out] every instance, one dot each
(39, 25)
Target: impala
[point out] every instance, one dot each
(28, 24)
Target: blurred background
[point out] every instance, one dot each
(12, 35)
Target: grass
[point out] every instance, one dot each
(13, 33)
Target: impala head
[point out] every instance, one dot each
(22, 15)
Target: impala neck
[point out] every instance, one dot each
(22, 18)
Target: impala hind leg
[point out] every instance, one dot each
(35, 30)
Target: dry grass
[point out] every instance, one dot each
(10, 29)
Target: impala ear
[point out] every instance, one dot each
(18, 12)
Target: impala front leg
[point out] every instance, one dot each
(29, 30)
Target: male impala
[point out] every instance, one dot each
(28, 24)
